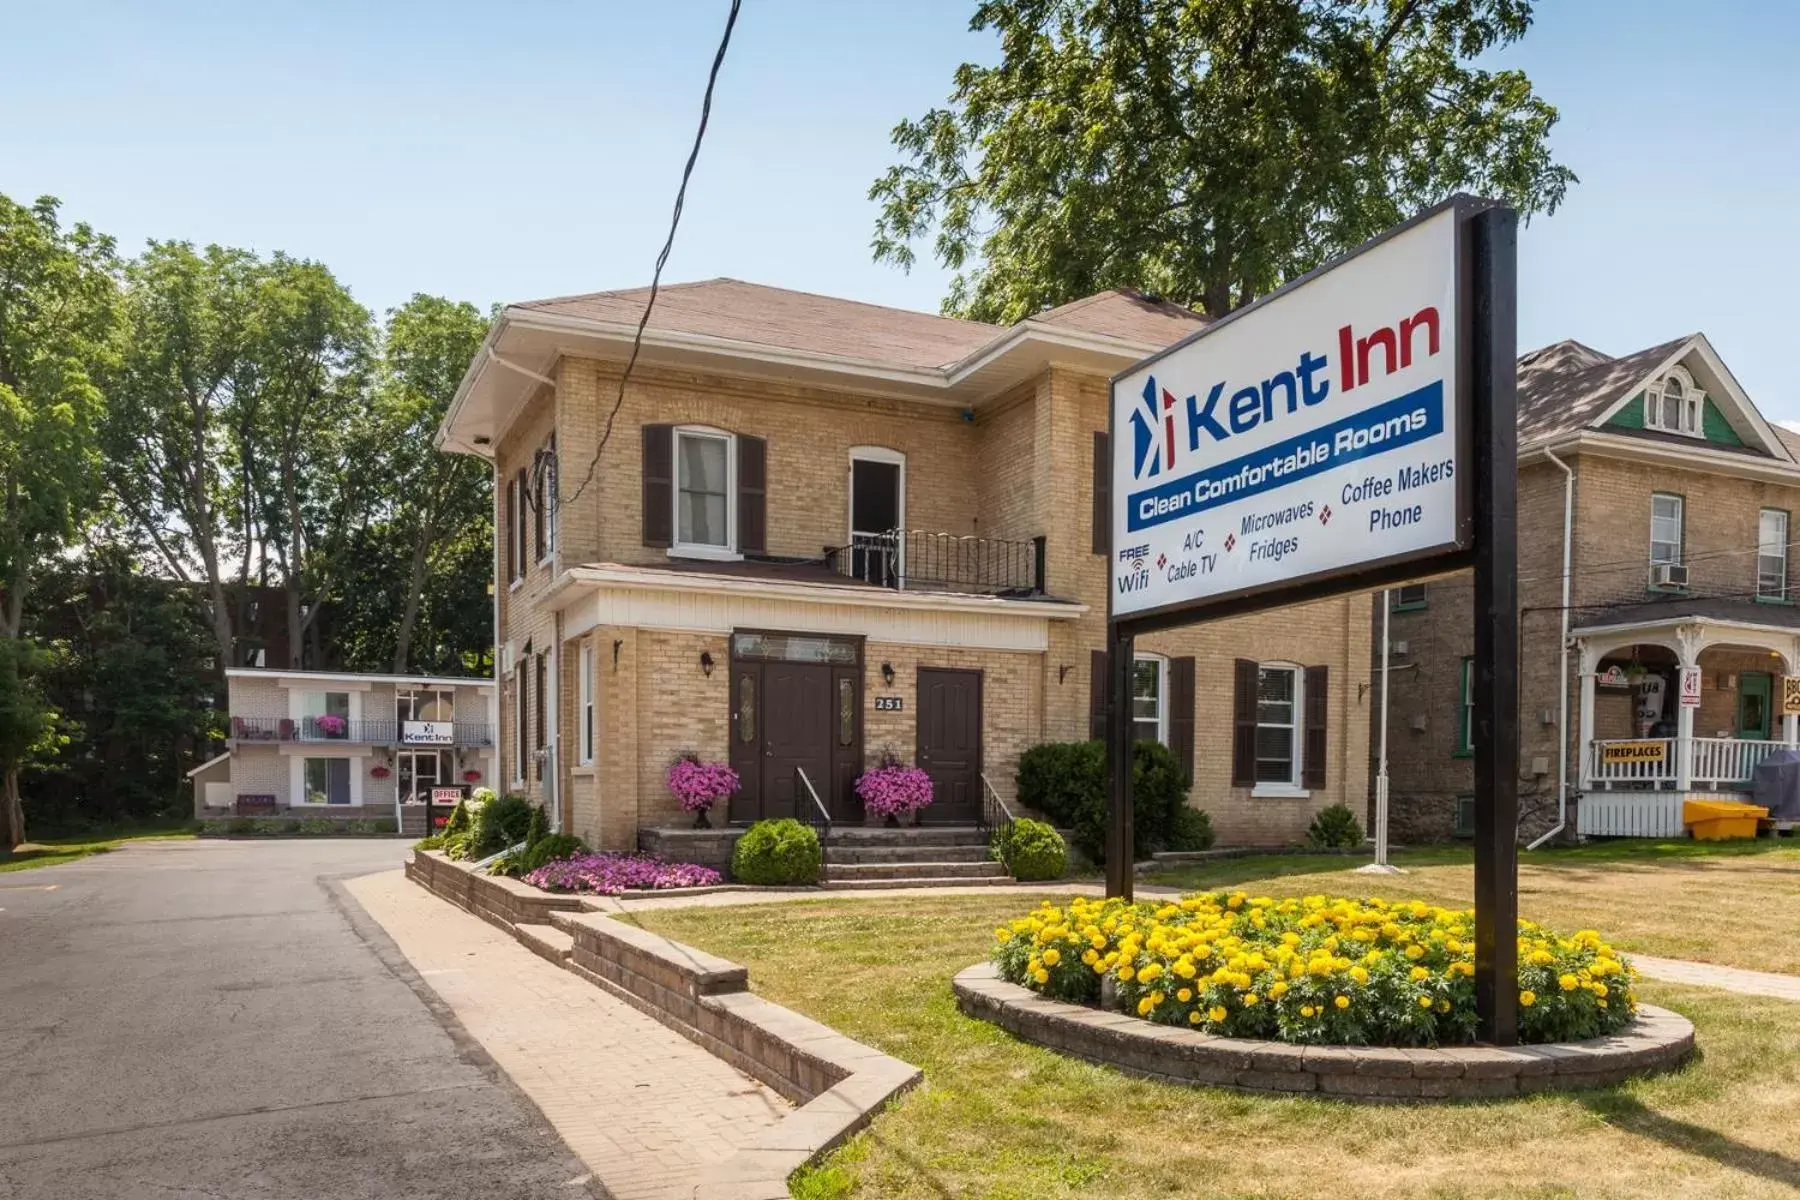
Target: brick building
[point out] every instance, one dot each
(1678, 499)
(811, 532)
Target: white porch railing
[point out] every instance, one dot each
(1640, 763)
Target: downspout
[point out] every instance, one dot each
(1562, 722)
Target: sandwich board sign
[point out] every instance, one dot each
(1302, 439)
(1354, 429)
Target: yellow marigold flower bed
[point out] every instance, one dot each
(1317, 969)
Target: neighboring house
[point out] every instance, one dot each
(1680, 500)
(812, 532)
(336, 745)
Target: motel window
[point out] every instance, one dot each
(1665, 529)
(1771, 554)
(586, 691)
(1409, 597)
(1149, 699)
(325, 715)
(326, 781)
(1465, 711)
(1277, 719)
(703, 491)
(1673, 404)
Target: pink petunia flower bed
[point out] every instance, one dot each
(616, 874)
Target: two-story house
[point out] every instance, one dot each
(809, 533)
(343, 746)
(1654, 534)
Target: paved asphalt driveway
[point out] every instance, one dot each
(218, 1019)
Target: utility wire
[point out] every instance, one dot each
(662, 259)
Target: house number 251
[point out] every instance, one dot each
(889, 703)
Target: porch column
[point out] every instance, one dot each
(1590, 663)
(1684, 731)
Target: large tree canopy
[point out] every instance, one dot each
(1206, 150)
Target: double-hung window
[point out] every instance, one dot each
(1771, 554)
(543, 500)
(1149, 699)
(1277, 725)
(1408, 597)
(1665, 531)
(540, 713)
(585, 690)
(521, 696)
(705, 522)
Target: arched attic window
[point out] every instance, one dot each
(1673, 404)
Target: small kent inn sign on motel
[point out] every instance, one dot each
(1317, 437)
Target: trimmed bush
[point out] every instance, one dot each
(434, 842)
(269, 825)
(1335, 828)
(552, 847)
(1191, 829)
(498, 824)
(315, 826)
(772, 853)
(537, 828)
(1067, 782)
(1031, 850)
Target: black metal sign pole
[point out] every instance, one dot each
(1493, 237)
(1120, 837)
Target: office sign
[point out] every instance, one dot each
(446, 795)
(427, 733)
(1310, 436)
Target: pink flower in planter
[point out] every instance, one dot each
(893, 790)
(331, 725)
(613, 874)
(700, 785)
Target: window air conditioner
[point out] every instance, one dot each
(1669, 574)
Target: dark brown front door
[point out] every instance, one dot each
(789, 717)
(950, 742)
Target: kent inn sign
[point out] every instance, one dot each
(1317, 433)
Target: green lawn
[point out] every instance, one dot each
(50, 852)
(1000, 1118)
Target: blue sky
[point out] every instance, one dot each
(507, 152)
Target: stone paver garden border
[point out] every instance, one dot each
(838, 1083)
(1658, 1040)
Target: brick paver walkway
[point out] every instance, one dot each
(641, 1105)
(1730, 979)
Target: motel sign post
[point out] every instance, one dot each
(1352, 430)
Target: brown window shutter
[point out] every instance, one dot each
(1243, 740)
(1312, 768)
(512, 551)
(659, 485)
(1097, 695)
(752, 499)
(1102, 493)
(1181, 713)
(538, 469)
(517, 527)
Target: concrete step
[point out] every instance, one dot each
(864, 885)
(865, 837)
(546, 941)
(843, 872)
(835, 853)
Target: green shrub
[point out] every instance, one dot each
(273, 826)
(434, 842)
(1067, 782)
(537, 828)
(498, 824)
(459, 821)
(1031, 850)
(240, 826)
(1191, 829)
(1335, 828)
(385, 825)
(317, 825)
(777, 852)
(546, 849)
(215, 828)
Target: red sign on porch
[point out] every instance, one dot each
(1690, 687)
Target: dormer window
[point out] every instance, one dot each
(1673, 404)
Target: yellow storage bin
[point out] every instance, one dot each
(1721, 820)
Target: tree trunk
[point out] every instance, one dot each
(12, 811)
(409, 613)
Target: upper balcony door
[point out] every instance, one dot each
(877, 514)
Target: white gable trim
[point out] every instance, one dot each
(1732, 400)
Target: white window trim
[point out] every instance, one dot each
(678, 548)
(585, 736)
(1162, 695)
(1693, 414)
(1289, 789)
(297, 781)
(1780, 593)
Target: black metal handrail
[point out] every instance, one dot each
(994, 811)
(340, 729)
(815, 814)
(912, 558)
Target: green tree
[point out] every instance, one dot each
(57, 307)
(1206, 150)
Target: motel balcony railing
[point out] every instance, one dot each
(920, 560)
(364, 732)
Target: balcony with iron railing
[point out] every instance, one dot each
(328, 729)
(920, 560)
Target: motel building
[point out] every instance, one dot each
(1675, 500)
(809, 534)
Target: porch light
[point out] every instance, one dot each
(887, 674)
(706, 663)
